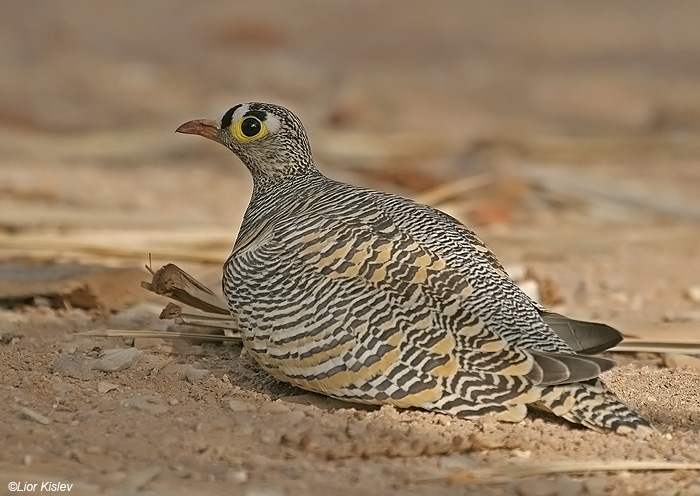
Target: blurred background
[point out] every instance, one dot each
(555, 129)
(566, 134)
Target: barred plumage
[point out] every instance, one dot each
(373, 298)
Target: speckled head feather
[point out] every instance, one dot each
(279, 146)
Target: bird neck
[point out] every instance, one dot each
(272, 183)
(276, 196)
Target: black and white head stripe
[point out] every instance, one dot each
(258, 110)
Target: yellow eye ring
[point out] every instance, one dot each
(249, 129)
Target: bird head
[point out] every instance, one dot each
(270, 140)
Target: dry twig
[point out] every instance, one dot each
(507, 474)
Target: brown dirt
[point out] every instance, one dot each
(89, 97)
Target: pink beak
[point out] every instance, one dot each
(201, 127)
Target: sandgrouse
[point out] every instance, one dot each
(370, 297)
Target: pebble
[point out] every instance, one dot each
(144, 402)
(62, 389)
(536, 487)
(456, 461)
(143, 314)
(30, 414)
(241, 406)
(268, 436)
(275, 407)
(239, 476)
(292, 418)
(105, 387)
(517, 272)
(693, 293)
(136, 480)
(157, 344)
(192, 374)
(693, 489)
(118, 359)
(9, 337)
(531, 288)
(675, 360)
(596, 485)
(136, 402)
(72, 365)
(682, 316)
(566, 486)
(263, 491)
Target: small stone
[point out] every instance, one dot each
(517, 272)
(143, 315)
(275, 407)
(292, 418)
(263, 491)
(693, 489)
(456, 461)
(693, 293)
(104, 387)
(156, 344)
(173, 401)
(566, 486)
(676, 361)
(193, 375)
(596, 485)
(72, 365)
(536, 487)
(268, 436)
(238, 476)
(118, 359)
(135, 402)
(62, 389)
(682, 316)
(241, 406)
(42, 302)
(9, 337)
(531, 288)
(136, 480)
(144, 402)
(107, 405)
(27, 460)
(30, 414)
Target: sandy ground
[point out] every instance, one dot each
(587, 115)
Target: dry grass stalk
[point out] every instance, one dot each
(174, 312)
(649, 346)
(508, 474)
(137, 333)
(174, 283)
(453, 189)
(592, 191)
(52, 245)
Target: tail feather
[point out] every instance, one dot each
(591, 404)
(565, 368)
(583, 337)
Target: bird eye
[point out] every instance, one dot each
(250, 126)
